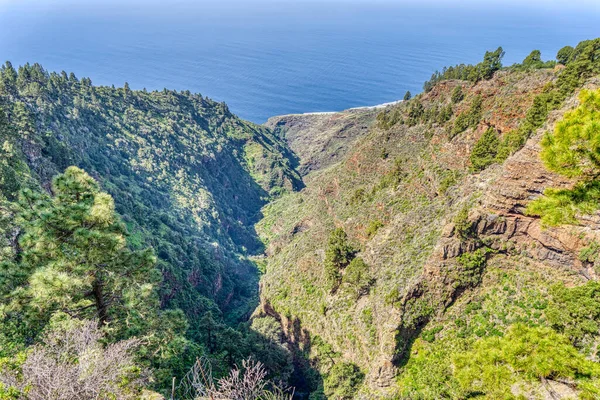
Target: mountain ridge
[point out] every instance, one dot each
(405, 194)
(370, 253)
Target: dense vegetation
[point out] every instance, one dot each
(156, 220)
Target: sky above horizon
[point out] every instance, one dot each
(593, 4)
(181, 8)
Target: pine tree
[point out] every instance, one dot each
(338, 255)
(457, 95)
(523, 354)
(573, 150)
(74, 261)
(358, 276)
(10, 163)
(23, 120)
(8, 79)
(485, 150)
(533, 60)
(209, 328)
(492, 62)
(74, 254)
(126, 90)
(564, 55)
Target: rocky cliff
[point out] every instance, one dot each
(436, 235)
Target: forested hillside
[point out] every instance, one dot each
(187, 180)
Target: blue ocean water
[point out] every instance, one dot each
(267, 58)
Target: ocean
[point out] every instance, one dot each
(269, 57)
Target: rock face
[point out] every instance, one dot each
(500, 216)
(499, 223)
(524, 178)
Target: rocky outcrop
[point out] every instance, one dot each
(498, 222)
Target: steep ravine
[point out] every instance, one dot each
(358, 254)
(188, 179)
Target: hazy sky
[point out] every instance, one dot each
(174, 6)
(593, 4)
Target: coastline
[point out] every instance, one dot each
(382, 105)
(375, 107)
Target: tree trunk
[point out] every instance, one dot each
(101, 306)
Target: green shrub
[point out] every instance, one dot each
(384, 153)
(388, 118)
(393, 177)
(392, 297)
(415, 112)
(469, 118)
(575, 312)
(373, 228)
(589, 254)
(343, 381)
(358, 276)
(457, 95)
(429, 335)
(461, 123)
(462, 226)
(338, 255)
(510, 143)
(485, 150)
(472, 267)
(472, 306)
(367, 316)
(358, 196)
(444, 114)
(447, 181)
